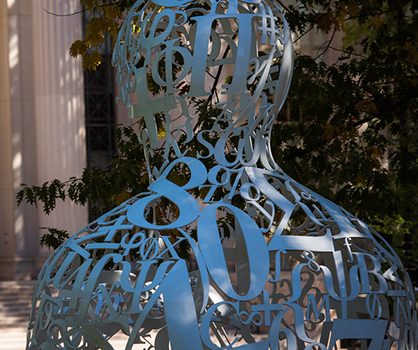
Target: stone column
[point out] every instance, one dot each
(41, 123)
(59, 103)
(19, 245)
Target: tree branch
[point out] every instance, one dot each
(78, 12)
(327, 46)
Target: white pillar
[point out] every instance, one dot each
(19, 245)
(59, 104)
(42, 133)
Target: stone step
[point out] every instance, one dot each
(12, 306)
(14, 311)
(14, 323)
(16, 290)
(6, 298)
(17, 284)
(15, 306)
(20, 320)
(16, 293)
(9, 303)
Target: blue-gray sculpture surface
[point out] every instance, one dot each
(271, 264)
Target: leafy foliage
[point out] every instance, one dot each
(105, 17)
(104, 188)
(349, 128)
(353, 126)
(53, 238)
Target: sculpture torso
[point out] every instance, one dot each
(270, 264)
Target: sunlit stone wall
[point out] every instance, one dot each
(41, 122)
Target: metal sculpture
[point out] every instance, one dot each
(272, 264)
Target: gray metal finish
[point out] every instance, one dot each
(272, 265)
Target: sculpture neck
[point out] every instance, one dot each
(235, 140)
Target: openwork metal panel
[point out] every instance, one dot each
(99, 99)
(272, 265)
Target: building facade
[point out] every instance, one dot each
(42, 123)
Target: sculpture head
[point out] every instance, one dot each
(171, 54)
